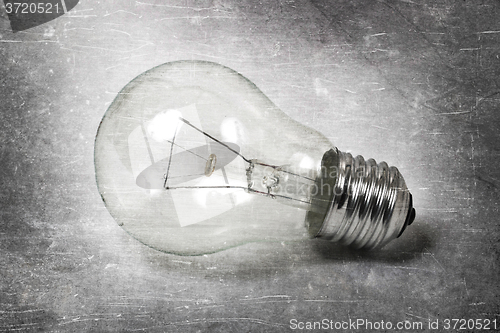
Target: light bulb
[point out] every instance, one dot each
(192, 158)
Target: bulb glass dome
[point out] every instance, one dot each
(192, 158)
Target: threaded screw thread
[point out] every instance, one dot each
(371, 204)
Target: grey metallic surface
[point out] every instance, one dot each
(411, 83)
(370, 205)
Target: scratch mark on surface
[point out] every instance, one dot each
(452, 113)
(408, 1)
(490, 32)
(190, 308)
(82, 16)
(332, 301)
(472, 159)
(433, 257)
(413, 268)
(18, 327)
(72, 29)
(213, 320)
(486, 97)
(197, 17)
(379, 34)
(170, 6)
(72, 162)
(264, 297)
(444, 210)
(384, 128)
(120, 11)
(28, 41)
(21, 311)
(412, 315)
(182, 262)
(113, 50)
(123, 32)
(320, 65)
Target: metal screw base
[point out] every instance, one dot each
(370, 204)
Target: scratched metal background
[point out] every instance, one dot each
(415, 83)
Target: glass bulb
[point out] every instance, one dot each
(192, 158)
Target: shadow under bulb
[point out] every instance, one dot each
(192, 158)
